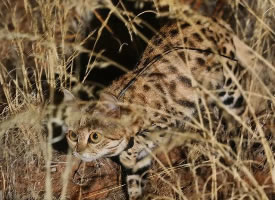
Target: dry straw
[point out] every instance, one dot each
(41, 39)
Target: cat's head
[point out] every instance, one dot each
(99, 133)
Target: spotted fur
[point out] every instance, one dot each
(187, 61)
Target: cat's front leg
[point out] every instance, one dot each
(137, 157)
(136, 161)
(141, 146)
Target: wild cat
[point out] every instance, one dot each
(187, 61)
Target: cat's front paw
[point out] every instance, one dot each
(134, 187)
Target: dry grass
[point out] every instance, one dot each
(42, 39)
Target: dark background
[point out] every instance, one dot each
(108, 42)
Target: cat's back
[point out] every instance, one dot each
(181, 51)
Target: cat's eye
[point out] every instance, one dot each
(72, 135)
(95, 137)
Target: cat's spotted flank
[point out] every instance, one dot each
(185, 64)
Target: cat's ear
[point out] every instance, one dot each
(110, 103)
(68, 96)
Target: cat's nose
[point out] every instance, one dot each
(80, 146)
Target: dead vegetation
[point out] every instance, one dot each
(40, 46)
